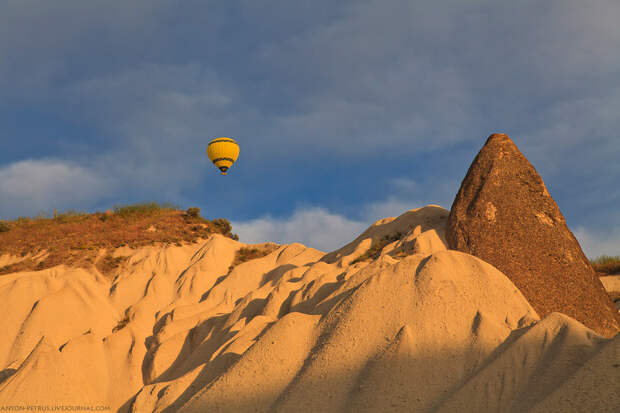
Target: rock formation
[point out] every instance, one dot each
(504, 215)
(412, 327)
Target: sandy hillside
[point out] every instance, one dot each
(392, 321)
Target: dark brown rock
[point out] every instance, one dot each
(504, 215)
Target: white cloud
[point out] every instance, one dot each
(345, 81)
(390, 207)
(404, 195)
(43, 40)
(584, 125)
(314, 227)
(324, 230)
(157, 119)
(356, 77)
(31, 186)
(319, 228)
(596, 243)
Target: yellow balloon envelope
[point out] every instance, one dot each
(223, 152)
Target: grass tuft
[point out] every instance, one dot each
(142, 209)
(375, 249)
(606, 259)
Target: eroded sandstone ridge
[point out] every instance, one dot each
(392, 321)
(504, 215)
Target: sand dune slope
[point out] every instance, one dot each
(392, 321)
(595, 387)
(532, 364)
(52, 375)
(440, 305)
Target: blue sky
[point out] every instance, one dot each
(346, 112)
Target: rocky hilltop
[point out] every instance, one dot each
(393, 321)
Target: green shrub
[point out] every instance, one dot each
(193, 212)
(4, 226)
(244, 254)
(222, 225)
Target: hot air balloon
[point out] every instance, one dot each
(223, 152)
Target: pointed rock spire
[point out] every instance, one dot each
(504, 215)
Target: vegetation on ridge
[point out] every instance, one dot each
(606, 264)
(244, 254)
(375, 249)
(76, 238)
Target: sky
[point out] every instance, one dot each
(345, 112)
